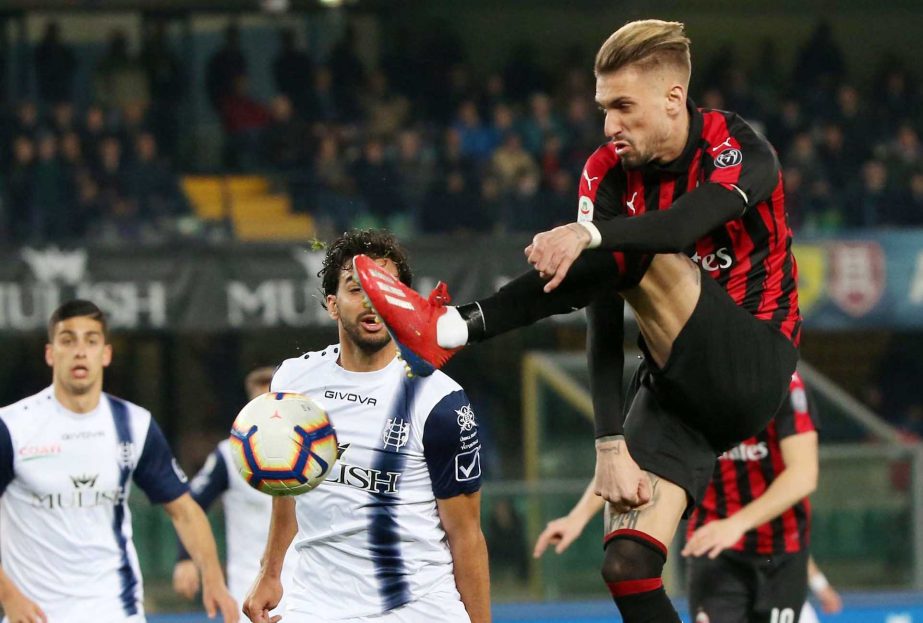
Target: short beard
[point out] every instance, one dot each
(369, 346)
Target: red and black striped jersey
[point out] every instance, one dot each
(749, 256)
(744, 472)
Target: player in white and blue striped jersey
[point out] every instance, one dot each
(68, 458)
(246, 515)
(393, 535)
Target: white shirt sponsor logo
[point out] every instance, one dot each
(746, 452)
(719, 260)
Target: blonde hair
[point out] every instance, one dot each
(649, 43)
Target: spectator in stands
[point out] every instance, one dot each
(452, 207)
(895, 95)
(93, 132)
(27, 120)
(244, 119)
(858, 127)
(523, 210)
(503, 122)
(224, 68)
(494, 92)
(510, 161)
(477, 141)
(287, 139)
(63, 118)
(324, 107)
(871, 202)
(55, 67)
(557, 199)
(287, 150)
(293, 72)
(349, 72)
(386, 112)
(72, 151)
(377, 181)
(840, 164)
(167, 86)
(540, 123)
(551, 159)
(911, 202)
(19, 186)
(134, 122)
(152, 184)
(336, 204)
(788, 122)
(903, 154)
(119, 78)
(582, 131)
(53, 215)
(415, 164)
(452, 157)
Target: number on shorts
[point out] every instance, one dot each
(786, 615)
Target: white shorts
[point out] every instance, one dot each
(442, 607)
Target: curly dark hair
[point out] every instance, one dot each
(375, 243)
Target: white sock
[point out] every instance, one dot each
(451, 329)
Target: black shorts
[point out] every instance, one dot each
(747, 588)
(726, 377)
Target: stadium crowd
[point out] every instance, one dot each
(359, 146)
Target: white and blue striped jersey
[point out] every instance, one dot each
(65, 527)
(369, 537)
(247, 513)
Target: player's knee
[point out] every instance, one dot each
(630, 558)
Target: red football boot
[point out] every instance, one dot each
(409, 318)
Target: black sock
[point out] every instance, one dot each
(523, 301)
(632, 570)
(647, 607)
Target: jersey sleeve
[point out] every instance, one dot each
(6, 457)
(797, 414)
(157, 472)
(206, 486)
(452, 447)
(211, 481)
(743, 161)
(598, 191)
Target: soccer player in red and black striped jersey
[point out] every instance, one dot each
(748, 538)
(747, 541)
(682, 216)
